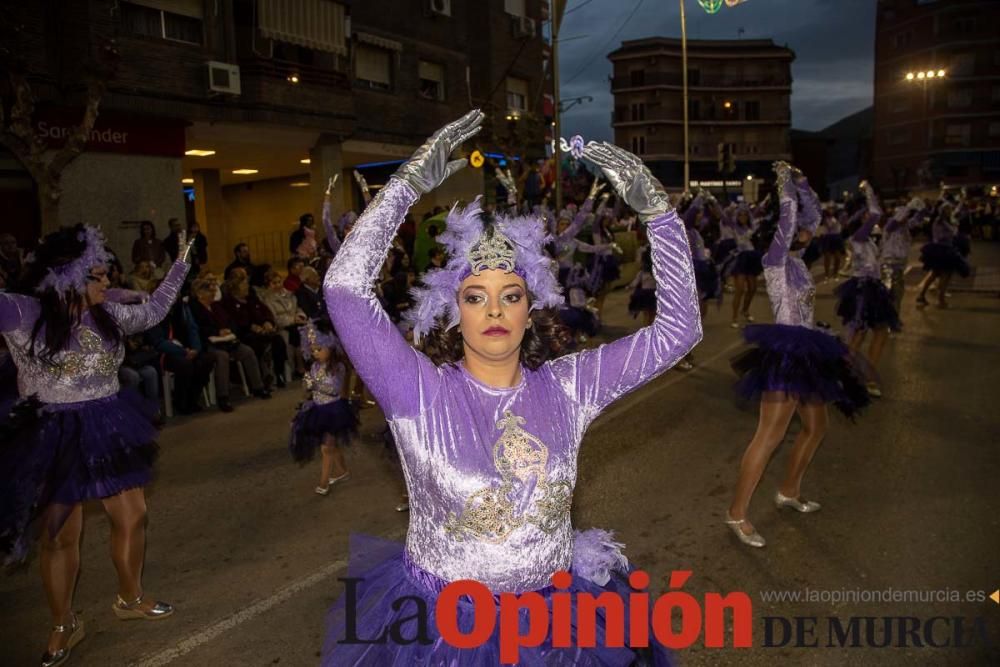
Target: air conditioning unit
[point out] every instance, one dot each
(223, 78)
(442, 7)
(524, 26)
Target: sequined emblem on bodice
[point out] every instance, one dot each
(524, 496)
(807, 298)
(92, 353)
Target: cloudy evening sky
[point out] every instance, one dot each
(833, 40)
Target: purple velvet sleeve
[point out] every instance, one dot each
(777, 252)
(140, 317)
(332, 240)
(400, 378)
(810, 215)
(595, 378)
(16, 311)
(577, 224)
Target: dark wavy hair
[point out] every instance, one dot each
(546, 338)
(61, 312)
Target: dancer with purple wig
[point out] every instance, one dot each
(87, 439)
(487, 425)
(792, 367)
(863, 301)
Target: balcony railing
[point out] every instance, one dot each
(675, 79)
(675, 115)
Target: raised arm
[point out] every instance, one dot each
(16, 311)
(810, 213)
(777, 252)
(594, 378)
(398, 376)
(135, 318)
(874, 213)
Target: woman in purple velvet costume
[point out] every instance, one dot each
(863, 301)
(744, 265)
(792, 368)
(487, 427)
(88, 440)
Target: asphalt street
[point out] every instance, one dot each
(250, 555)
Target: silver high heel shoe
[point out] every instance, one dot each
(128, 611)
(796, 504)
(62, 655)
(754, 539)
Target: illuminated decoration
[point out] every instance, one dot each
(476, 159)
(711, 6)
(574, 147)
(733, 3)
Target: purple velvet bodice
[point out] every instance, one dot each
(790, 286)
(491, 470)
(88, 368)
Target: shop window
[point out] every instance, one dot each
(431, 77)
(373, 67)
(517, 94)
(958, 135)
(177, 20)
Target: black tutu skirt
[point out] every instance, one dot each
(315, 421)
(962, 244)
(812, 252)
(706, 278)
(944, 258)
(723, 249)
(58, 455)
(805, 364)
(605, 270)
(580, 320)
(747, 263)
(832, 243)
(642, 300)
(866, 303)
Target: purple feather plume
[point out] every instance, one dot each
(596, 554)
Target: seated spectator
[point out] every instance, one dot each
(217, 340)
(138, 370)
(288, 317)
(190, 367)
(143, 278)
(309, 296)
(241, 254)
(254, 324)
(294, 280)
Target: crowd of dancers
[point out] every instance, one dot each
(490, 345)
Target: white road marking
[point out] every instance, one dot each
(198, 639)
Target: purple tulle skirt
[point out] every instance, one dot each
(580, 320)
(945, 258)
(706, 278)
(832, 243)
(642, 300)
(314, 422)
(388, 574)
(806, 364)
(604, 270)
(63, 454)
(865, 303)
(723, 249)
(747, 263)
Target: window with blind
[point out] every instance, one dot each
(431, 80)
(517, 94)
(175, 20)
(373, 67)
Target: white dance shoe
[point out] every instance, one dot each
(804, 507)
(753, 539)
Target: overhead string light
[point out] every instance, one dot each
(711, 6)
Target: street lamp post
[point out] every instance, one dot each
(684, 76)
(923, 78)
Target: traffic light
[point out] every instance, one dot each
(722, 157)
(726, 158)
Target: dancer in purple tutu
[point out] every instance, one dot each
(942, 257)
(88, 440)
(793, 367)
(744, 265)
(863, 301)
(895, 248)
(831, 243)
(488, 427)
(326, 420)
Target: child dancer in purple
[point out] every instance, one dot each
(488, 428)
(89, 440)
(326, 420)
(792, 368)
(745, 266)
(863, 301)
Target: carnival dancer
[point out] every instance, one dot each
(793, 367)
(705, 274)
(745, 266)
(942, 257)
(570, 222)
(605, 267)
(863, 301)
(488, 428)
(831, 243)
(326, 420)
(88, 440)
(895, 247)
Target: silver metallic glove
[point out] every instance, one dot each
(429, 166)
(184, 246)
(595, 187)
(630, 178)
(363, 184)
(332, 183)
(508, 183)
(783, 174)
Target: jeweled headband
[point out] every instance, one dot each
(313, 338)
(74, 275)
(515, 245)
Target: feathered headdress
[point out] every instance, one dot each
(74, 275)
(313, 338)
(517, 244)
